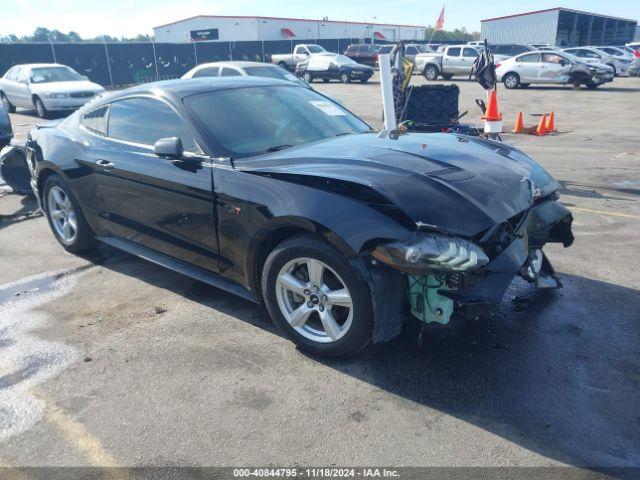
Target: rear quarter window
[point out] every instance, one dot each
(96, 120)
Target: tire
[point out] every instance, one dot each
(7, 104)
(345, 78)
(364, 80)
(287, 267)
(592, 85)
(307, 77)
(431, 72)
(447, 76)
(325, 80)
(83, 238)
(511, 80)
(40, 108)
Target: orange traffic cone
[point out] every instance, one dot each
(542, 130)
(550, 126)
(492, 113)
(519, 124)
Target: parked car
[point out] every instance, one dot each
(593, 55)
(331, 66)
(47, 87)
(551, 67)
(295, 202)
(503, 51)
(6, 132)
(411, 50)
(454, 60)
(634, 68)
(300, 53)
(618, 52)
(363, 53)
(239, 69)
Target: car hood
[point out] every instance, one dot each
(66, 87)
(454, 183)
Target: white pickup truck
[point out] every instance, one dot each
(453, 60)
(301, 53)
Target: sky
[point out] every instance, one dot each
(130, 17)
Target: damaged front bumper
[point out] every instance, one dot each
(512, 248)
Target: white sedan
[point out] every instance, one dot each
(46, 87)
(236, 69)
(595, 55)
(551, 67)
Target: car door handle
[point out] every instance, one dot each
(105, 164)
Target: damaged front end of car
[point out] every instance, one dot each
(443, 274)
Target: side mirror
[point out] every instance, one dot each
(170, 147)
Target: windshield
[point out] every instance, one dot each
(343, 60)
(315, 49)
(271, 72)
(54, 74)
(277, 117)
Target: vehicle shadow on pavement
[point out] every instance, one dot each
(556, 372)
(546, 371)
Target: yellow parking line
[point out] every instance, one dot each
(604, 212)
(78, 436)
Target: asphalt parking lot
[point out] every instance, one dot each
(113, 361)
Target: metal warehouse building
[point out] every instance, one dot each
(559, 26)
(237, 29)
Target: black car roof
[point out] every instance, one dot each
(181, 88)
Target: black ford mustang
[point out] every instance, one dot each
(276, 193)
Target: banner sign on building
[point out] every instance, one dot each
(202, 35)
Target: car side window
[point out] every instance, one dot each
(229, 72)
(469, 52)
(453, 52)
(412, 51)
(145, 120)
(96, 120)
(552, 58)
(9, 74)
(530, 58)
(207, 72)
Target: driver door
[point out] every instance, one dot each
(554, 69)
(164, 204)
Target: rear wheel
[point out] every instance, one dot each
(431, 72)
(65, 216)
(316, 298)
(345, 78)
(40, 108)
(307, 76)
(7, 104)
(511, 80)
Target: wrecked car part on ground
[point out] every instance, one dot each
(295, 202)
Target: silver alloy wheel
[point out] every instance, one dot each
(314, 300)
(511, 81)
(63, 216)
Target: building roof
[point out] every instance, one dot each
(286, 19)
(556, 9)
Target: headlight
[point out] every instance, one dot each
(432, 252)
(56, 95)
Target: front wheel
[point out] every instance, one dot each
(65, 216)
(431, 72)
(40, 108)
(307, 77)
(317, 298)
(511, 80)
(7, 104)
(345, 78)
